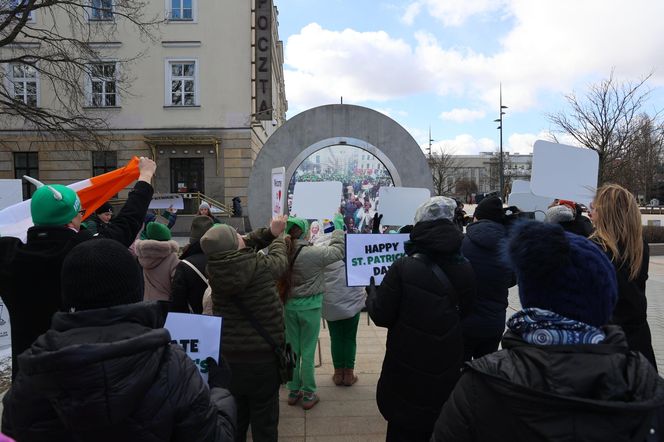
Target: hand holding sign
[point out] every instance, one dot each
(278, 225)
(219, 375)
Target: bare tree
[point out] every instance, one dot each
(444, 167)
(466, 187)
(639, 169)
(605, 120)
(67, 47)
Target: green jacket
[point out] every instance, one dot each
(251, 276)
(308, 275)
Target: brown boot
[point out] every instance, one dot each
(338, 377)
(349, 377)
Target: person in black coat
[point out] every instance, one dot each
(187, 287)
(30, 273)
(98, 222)
(563, 374)
(483, 247)
(422, 314)
(106, 370)
(570, 216)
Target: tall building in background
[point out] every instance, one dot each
(204, 97)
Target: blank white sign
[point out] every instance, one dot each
(11, 192)
(564, 172)
(398, 204)
(316, 200)
(520, 186)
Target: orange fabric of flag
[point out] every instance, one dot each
(103, 187)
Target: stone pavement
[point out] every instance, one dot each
(347, 414)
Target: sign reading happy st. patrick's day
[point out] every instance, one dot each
(370, 255)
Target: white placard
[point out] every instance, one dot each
(370, 255)
(527, 202)
(564, 172)
(166, 201)
(316, 200)
(520, 186)
(398, 204)
(11, 193)
(278, 191)
(199, 335)
(5, 328)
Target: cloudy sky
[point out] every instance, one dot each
(439, 63)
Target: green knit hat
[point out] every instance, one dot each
(302, 223)
(338, 222)
(54, 205)
(157, 231)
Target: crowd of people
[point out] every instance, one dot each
(91, 359)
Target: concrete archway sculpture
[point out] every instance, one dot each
(330, 125)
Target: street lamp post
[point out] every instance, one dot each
(500, 128)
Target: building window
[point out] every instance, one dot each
(24, 83)
(182, 83)
(26, 163)
(103, 85)
(181, 10)
(101, 10)
(105, 161)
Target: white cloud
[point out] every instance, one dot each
(360, 66)
(412, 11)
(552, 47)
(465, 144)
(462, 115)
(456, 12)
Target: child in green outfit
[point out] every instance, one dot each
(303, 305)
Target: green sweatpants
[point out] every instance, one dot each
(342, 340)
(302, 328)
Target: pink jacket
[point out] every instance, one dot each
(159, 259)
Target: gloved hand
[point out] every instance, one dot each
(219, 375)
(371, 290)
(375, 227)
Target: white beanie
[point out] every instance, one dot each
(204, 205)
(559, 214)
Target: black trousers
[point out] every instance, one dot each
(256, 391)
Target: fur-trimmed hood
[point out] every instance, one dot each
(151, 252)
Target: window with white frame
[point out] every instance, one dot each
(24, 83)
(103, 88)
(101, 10)
(181, 10)
(182, 81)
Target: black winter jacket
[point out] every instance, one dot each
(187, 287)
(112, 375)
(30, 273)
(594, 392)
(630, 311)
(483, 247)
(424, 346)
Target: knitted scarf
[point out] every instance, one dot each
(543, 327)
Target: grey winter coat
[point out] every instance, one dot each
(339, 301)
(308, 276)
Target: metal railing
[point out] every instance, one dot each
(198, 197)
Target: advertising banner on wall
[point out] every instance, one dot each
(370, 255)
(278, 191)
(199, 336)
(263, 59)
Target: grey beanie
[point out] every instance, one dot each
(438, 207)
(204, 205)
(220, 238)
(559, 214)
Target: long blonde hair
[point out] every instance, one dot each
(618, 227)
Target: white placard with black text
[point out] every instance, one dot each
(278, 191)
(167, 201)
(199, 335)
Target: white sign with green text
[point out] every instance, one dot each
(370, 255)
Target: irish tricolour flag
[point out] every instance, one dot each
(16, 220)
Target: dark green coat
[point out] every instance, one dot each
(252, 276)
